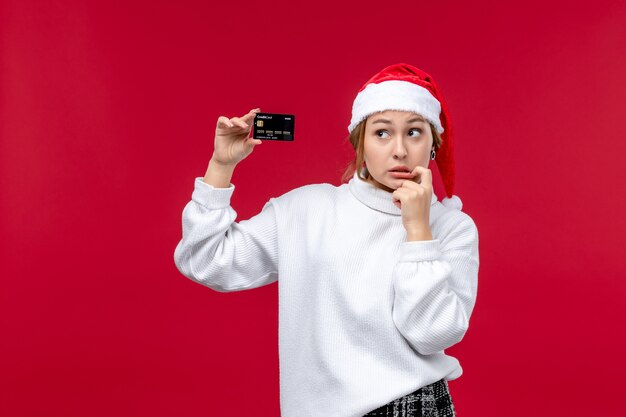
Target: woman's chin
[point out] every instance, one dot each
(393, 183)
(388, 184)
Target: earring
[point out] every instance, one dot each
(432, 154)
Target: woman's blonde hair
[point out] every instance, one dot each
(357, 140)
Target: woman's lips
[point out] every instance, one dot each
(400, 174)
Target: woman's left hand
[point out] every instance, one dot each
(413, 197)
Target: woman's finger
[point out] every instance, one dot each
(423, 176)
(250, 116)
(238, 122)
(224, 122)
(411, 184)
(400, 194)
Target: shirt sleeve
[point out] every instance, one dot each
(435, 286)
(220, 253)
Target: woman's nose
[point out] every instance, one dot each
(399, 150)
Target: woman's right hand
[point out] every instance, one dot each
(232, 138)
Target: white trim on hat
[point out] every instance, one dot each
(395, 95)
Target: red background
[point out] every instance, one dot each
(107, 114)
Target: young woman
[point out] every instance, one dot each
(376, 277)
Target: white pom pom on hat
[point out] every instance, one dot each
(405, 87)
(453, 202)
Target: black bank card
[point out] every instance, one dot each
(274, 126)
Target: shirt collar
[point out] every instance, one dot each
(374, 197)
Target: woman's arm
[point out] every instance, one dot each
(220, 253)
(215, 250)
(435, 285)
(219, 174)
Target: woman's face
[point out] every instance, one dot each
(392, 139)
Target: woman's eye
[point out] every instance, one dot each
(419, 131)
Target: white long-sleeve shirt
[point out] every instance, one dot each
(364, 314)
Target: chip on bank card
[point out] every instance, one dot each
(274, 126)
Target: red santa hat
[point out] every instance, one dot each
(405, 87)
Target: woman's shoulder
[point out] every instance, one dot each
(306, 202)
(309, 194)
(449, 219)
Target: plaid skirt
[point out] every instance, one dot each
(432, 400)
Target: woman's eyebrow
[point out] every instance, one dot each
(387, 121)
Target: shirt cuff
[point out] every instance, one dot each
(420, 250)
(211, 197)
